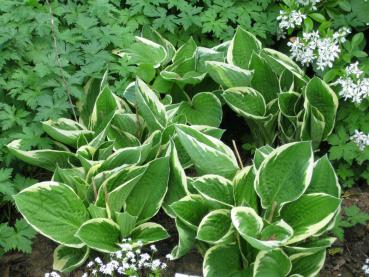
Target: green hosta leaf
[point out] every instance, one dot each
(324, 178)
(149, 107)
(215, 188)
(65, 131)
(47, 159)
(128, 155)
(186, 51)
(186, 237)
(146, 51)
(190, 210)
(216, 227)
(264, 79)
(205, 109)
(177, 183)
(261, 154)
(274, 263)
(246, 102)
(287, 102)
(105, 106)
(189, 78)
(54, 210)
(206, 54)
(155, 181)
(101, 234)
(320, 96)
(250, 226)
(126, 223)
(308, 248)
(67, 259)
(285, 174)
(228, 75)
(149, 232)
(208, 154)
(309, 266)
(310, 213)
(221, 260)
(241, 48)
(243, 188)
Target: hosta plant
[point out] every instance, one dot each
(112, 172)
(267, 219)
(265, 87)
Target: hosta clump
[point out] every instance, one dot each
(266, 219)
(265, 87)
(111, 174)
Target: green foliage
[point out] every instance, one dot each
(18, 237)
(267, 219)
(352, 216)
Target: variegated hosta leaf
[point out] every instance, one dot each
(186, 239)
(66, 259)
(188, 78)
(150, 107)
(243, 188)
(228, 75)
(308, 214)
(66, 131)
(148, 232)
(284, 175)
(215, 188)
(241, 48)
(101, 234)
(321, 97)
(246, 102)
(204, 109)
(54, 210)
(145, 51)
(206, 54)
(273, 263)
(308, 266)
(324, 178)
(308, 248)
(264, 79)
(186, 51)
(261, 154)
(209, 155)
(224, 260)
(216, 227)
(47, 159)
(251, 227)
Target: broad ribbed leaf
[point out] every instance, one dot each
(209, 155)
(150, 107)
(177, 183)
(186, 239)
(310, 213)
(243, 188)
(241, 48)
(148, 194)
(205, 109)
(264, 79)
(54, 210)
(66, 259)
(246, 102)
(149, 232)
(47, 159)
(324, 178)
(216, 227)
(215, 188)
(285, 174)
(261, 154)
(309, 266)
(228, 75)
(65, 131)
(308, 248)
(101, 234)
(225, 261)
(274, 263)
(128, 155)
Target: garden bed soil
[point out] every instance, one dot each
(346, 263)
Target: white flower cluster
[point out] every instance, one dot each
(361, 140)
(354, 86)
(365, 267)
(290, 20)
(312, 48)
(52, 274)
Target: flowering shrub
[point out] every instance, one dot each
(269, 217)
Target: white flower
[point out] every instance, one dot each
(169, 257)
(90, 264)
(353, 69)
(290, 20)
(153, 248)
(84, 275)
(52, 274)
(98, 260)
(145, 257)
(356, 91)
(155, 264)
(361, 140)
(313, 3)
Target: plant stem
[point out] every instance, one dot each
(237, 153)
